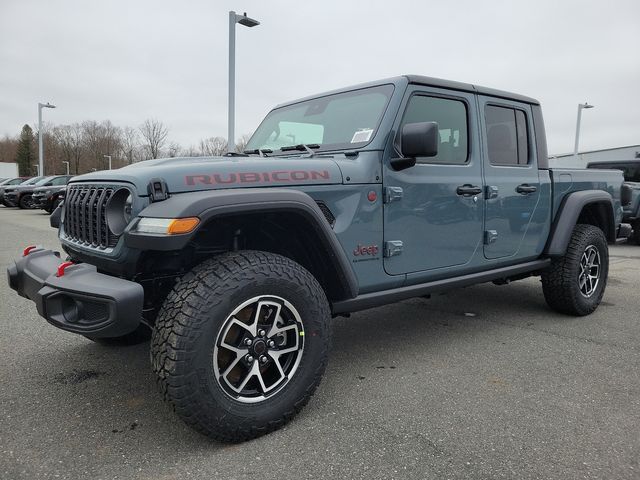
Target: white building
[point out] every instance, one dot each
(569, 160)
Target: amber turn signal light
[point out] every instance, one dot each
(182, 225)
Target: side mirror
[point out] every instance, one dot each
(417, 140)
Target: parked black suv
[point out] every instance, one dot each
(10, 185)
(21, 196)
(48, 197)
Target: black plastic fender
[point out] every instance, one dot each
(568, 215)
(217, 203)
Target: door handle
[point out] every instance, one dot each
(525, 189)
(467, 190)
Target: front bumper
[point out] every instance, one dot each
(82, 300)
(40, 200)
(10, 199)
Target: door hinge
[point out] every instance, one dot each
(157, 190)
(392, 248)
(391, 194)
(490, 236)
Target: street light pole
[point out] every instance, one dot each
(247, 22)
(580, 107)
(67, 164)
(109, 157)
(40, 149)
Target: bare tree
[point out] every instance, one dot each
(130, 144)
(174, 149)
(8, 149)
(241, 143)
(213, 146)
(154, 134)
(191, 151)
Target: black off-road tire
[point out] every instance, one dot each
(25, 202)
(139, 335)
(561, 283)
(192, 317)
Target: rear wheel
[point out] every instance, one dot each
(574, 283)
(241, 344)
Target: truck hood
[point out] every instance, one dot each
(205, 173)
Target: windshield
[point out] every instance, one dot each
(31, 181)
(42, 181)
(343, 120)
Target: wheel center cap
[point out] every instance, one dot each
(259, 347)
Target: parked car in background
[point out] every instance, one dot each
(631, 191)
(48, 197)
(10, 183)
(20, 196)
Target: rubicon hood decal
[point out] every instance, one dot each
(278, 176)
(207, 173)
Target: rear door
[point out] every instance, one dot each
(512, 179)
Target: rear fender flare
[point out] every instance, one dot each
(568, 214)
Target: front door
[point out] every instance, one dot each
(433, 211)
(512, 179)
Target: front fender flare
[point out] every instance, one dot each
(210, 204)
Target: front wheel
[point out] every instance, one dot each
(241, 344)
(574, 283)
(26, 202)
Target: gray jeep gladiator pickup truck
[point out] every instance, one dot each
(343, 201)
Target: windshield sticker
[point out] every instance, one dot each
(362, 135)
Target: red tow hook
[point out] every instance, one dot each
(62, 267)
(27, 250)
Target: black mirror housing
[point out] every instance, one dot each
(420, 139)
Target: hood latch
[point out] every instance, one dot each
(158, 190)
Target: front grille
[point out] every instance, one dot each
(85, 219)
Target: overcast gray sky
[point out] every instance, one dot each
(130, 60)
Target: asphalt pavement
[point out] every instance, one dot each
(481, 383)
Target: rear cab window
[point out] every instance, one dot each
(508, 140)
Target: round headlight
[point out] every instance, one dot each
(117, 218)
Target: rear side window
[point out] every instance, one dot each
(630, 170)
(507, 136)
(451, 116)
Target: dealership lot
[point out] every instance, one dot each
(485, 382)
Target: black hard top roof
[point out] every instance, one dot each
(467, 87)
(428, 81)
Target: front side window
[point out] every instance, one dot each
(451, 117)
(339, 121)
(507, 137)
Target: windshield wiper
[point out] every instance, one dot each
(302, 147)
(259, 151)
(235, 154)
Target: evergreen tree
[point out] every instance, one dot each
(25, 155)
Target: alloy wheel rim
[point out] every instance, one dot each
(589, 271)
(258, 348)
